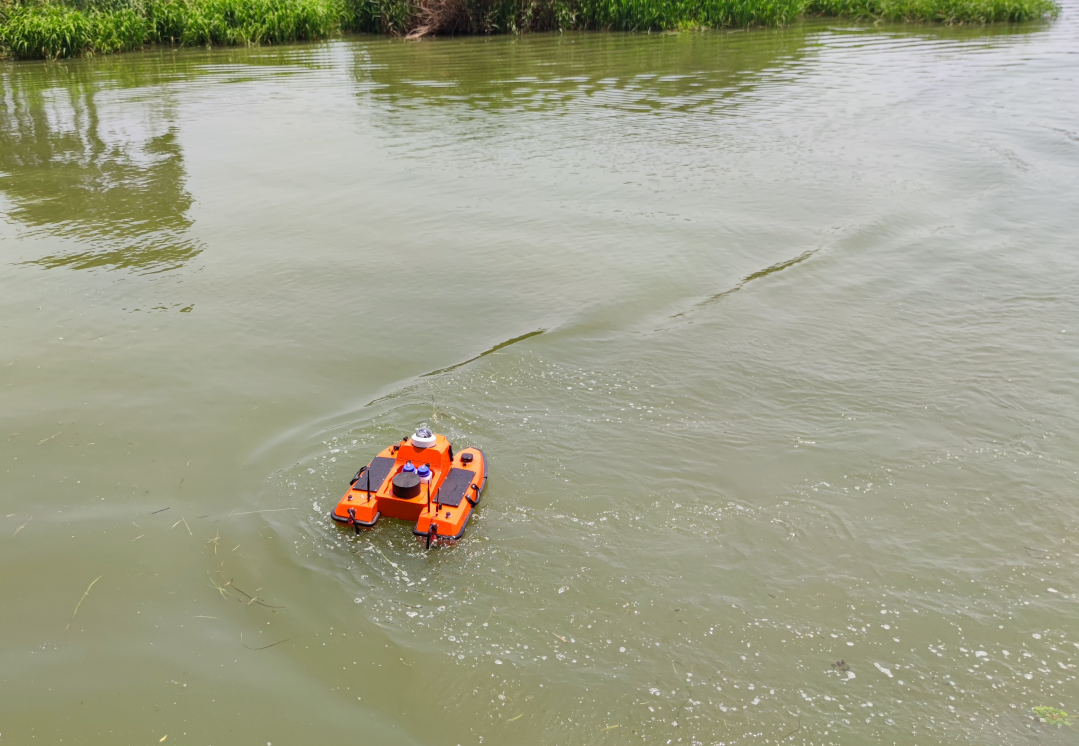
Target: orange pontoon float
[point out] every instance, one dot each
(419, 479)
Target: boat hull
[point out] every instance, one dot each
(444, 504)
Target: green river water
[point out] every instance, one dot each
(770, 339)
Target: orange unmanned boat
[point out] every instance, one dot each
(419, 479)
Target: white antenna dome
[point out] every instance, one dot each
(423, 438)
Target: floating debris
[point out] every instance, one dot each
(20, 528)
(1052, 715)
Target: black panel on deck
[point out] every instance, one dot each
(377, 471)
(453, 490)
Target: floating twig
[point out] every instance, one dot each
(84, 595)
(516, 718)
(560, 637)
(20, 528)
(222, 591)
(610, 727)
(253, 599)
(264, 646)
(392, 563)
(46, 440)
(268, 510)
(161, 511)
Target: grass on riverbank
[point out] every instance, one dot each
(67, 28)
(57, 30)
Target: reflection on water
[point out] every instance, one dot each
(547, 73)
(90, 152)
(661, 73)
(86, 159)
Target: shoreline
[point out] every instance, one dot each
(51, 30)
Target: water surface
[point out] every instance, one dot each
(770, 339)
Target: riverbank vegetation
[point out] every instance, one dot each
(67, 28)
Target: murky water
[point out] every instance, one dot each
(783, 371)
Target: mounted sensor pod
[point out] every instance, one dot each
(424, 438)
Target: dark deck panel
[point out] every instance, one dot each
(453, 490)
(377, 471)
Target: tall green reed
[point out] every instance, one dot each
(943, 11)
(46, 30)
(224, 22)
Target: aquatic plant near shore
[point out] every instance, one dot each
(229, 22)
(944, 11)
(53, 31)
(427, 17)
(51, 28)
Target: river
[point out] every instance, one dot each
(770, 339)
